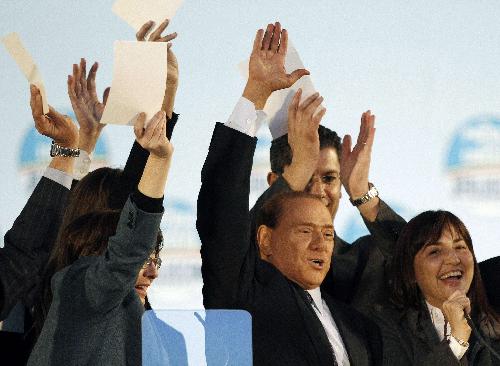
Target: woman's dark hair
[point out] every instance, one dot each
(423, 229)
(93, 193)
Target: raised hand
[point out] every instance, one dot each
(355, 165)
(454, 309)
(58, 127)
(267, 65)
(172, 64)
(86, 105)
(303, 123)
(153, 137)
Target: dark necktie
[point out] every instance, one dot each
(313, 304)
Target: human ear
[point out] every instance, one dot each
(264, 235)
(271, 178)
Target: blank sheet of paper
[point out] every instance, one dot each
(26, 64)
(138, 12)
(139, 78)
(276, 107)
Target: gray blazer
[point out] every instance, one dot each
(95, 315)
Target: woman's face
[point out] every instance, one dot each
(147, 275)
(444, 267)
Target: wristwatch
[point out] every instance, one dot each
(372, 193)
(58, 150)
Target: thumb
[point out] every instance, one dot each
(55, 116)
(296, 75)
(140, 120)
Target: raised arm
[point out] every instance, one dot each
(382, 222)
(138, 156)
(222, 215)
(113, 275)
(29, 241)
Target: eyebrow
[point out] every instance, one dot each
(441, 243)
(328, 226)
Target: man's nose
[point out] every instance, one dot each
(316, 187)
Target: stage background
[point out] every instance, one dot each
(428, 70)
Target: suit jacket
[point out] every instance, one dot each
(285, 329)
(28, 243)
(410, 338)
(490, 273)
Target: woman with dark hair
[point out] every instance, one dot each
(439, 313)
(99, 289)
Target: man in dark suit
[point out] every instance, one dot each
(28, 243)
(294, 323)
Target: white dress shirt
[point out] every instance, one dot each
(443, 330)
(58, 176)
(325, 316)
(245, 118)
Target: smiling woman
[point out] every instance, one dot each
(436, 289)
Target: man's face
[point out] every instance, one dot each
(444, 267)
(146, 276)
(301, 244)
(325, 181)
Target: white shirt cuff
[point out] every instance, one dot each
(58, 176)
(245, 118)
(82, 165)
(457, 349)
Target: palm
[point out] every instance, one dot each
(269, 69)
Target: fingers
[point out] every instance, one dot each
(91, 88)
(283, 47)
(346, 147)
(152, 126)
(105, 95)
(76, 85)
(266, 41)
(36, 104)
(83, 76)
(318, 116)
(144, 30)
(309, 100)
(294, 106)
(157, 33)
(168, 38)
(140, 120)
(275, 40)
(258, 40)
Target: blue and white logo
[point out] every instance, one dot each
(473, 163)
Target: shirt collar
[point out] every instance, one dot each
(316, 295)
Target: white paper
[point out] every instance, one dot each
(139, 81)
(26, 64)
(276, 107)
(138, 12)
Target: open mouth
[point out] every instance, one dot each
(317, 263)
(452, 276)
(141, 290)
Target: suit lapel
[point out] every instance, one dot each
(315, 331)
(355, 345)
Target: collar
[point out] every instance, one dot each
(316, 295)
